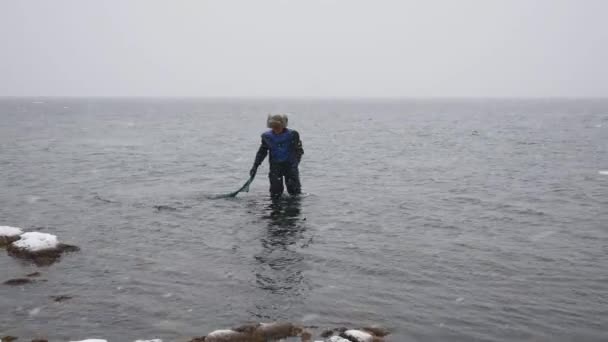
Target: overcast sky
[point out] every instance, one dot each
(374, 48)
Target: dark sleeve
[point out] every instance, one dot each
(297, 143)
(261, 155)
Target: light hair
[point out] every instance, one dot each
(277, 118)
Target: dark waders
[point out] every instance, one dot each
(286, 170)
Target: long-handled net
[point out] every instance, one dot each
(244, 188)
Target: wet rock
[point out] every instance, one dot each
(225, 336)
(257, 333)
(61, 298)
(376, 331)
(17, 282)
(327, 333)
(360, 336)
(8, 338)
(7, 240)
(337, 339)
(279, 331)
(41, 248)
(9, 235)
(164, 208)
(276, 331)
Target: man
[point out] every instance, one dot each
(286, 151)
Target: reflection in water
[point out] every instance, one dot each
(279, 270)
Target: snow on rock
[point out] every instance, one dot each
(358, 336)
(277, 330)
(225, 335)
(9, 234)
(41, 248)
(257, 332)
(337, 339)
(36, 241)
(154, 340)
(10, 231)
(285, 331)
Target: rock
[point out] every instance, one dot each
(40, 340)
(35, 274)
(327, 333)
(376, 331)
(256, 333)
(276, 331)
(360, 336)
(164, 207)
(226, 336)
(41, 248)
(18, 281)
(90, 340)
(337, 339)
(36, 241)
(9, 235)
(61, 298)
(284, 331)
(8, 338)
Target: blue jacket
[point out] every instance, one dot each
(284, 147)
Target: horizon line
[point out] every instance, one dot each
(306, 97)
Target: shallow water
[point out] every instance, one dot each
(454, 220)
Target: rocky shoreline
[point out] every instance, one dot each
(267, 332)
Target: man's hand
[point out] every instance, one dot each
(253, 171)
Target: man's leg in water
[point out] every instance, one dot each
(276, 180)
(292, 180)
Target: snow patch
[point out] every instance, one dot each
(222, 333)
(36, 241)
(603, 172)
(337, 339)
(155, 340)
(359, 335)
(10, 231)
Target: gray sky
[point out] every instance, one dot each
(371, 48)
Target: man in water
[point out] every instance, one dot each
(286, 151)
